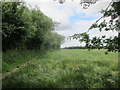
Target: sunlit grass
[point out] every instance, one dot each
(68, 69)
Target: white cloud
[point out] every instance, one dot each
(62, 13)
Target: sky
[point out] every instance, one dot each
(72, 17)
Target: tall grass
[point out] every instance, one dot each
(68, 69)
(12, 59)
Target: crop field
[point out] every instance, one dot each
(65, 68)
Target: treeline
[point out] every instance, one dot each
(84, 47)
(26, 28)
(75, 47)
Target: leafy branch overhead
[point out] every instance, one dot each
(110, 21)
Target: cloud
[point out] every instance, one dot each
(73, 19)
(64, 26)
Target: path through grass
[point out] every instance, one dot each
(67, 69)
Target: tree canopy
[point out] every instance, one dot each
(25, 28)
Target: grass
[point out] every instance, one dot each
(12, 59)
(65, 69)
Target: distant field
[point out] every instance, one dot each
(71, 68)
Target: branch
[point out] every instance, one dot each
(101, 16)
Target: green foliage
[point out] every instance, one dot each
(12, 24)
(25, 28)
(110, 43)
(75, 47)
(54, 41)
(13, 58)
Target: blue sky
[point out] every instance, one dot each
(72, 18)
(81, 16)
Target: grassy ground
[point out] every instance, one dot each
(63, 69)
(12, 59)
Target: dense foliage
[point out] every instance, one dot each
(75, 47)
(24, 28)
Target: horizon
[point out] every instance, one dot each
(72, 18)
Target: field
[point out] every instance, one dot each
(65, 68)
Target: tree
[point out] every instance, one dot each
(25, 28)
(54, 41)
(16, 25)
(43, 25)
(111, 43)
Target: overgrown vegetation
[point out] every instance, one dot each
(12, 59)
(28, 33)
(24, 28)
(67, 69)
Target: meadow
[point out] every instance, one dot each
(64, 68)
